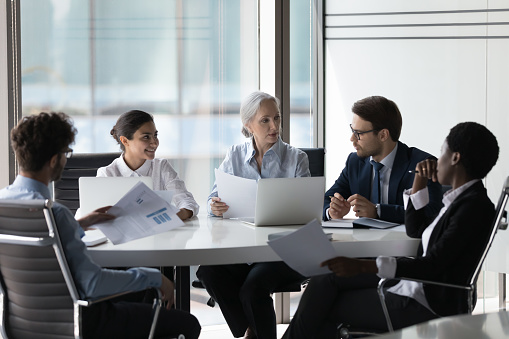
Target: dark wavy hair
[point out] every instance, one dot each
(128, 123)
(477, 146)
(382, 113)
(37, 138)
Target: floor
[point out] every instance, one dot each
(212, 321)
(213, 326)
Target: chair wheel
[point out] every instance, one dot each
(211, 302)
(343, 332)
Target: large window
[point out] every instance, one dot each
(189, 63)
(301, 73)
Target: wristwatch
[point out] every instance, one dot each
(378, 209)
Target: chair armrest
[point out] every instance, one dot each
(156, 307)
(88, 302)
(384, 281)
(381, 294)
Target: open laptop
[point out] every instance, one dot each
(288, 201)
(97, 192)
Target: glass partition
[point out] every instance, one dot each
(189, 63)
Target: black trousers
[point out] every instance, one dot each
(330, 300)
(243, 293)
(122, 318)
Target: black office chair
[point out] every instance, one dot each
(40, 299)
(66, 190)
(500, 222)
(316, 158)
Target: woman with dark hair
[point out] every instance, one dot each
(452, 243)
(136, 133)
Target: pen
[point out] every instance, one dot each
(413, 171)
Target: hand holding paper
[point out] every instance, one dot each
(239, 193)
(139, 213)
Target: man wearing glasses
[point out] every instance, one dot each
(375, 176)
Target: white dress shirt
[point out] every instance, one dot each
(164, 178)
(385, 176)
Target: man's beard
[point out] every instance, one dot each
(57, 172)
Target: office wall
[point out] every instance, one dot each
(442, 62)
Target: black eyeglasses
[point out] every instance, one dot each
(359, 133)
(68, 153)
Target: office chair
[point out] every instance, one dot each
(66, 190)
(316, 158)
(40, 299)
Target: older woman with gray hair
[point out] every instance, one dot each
(243, 291)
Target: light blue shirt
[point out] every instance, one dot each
(91, 280)
(280, 161)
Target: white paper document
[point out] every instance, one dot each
(305, 249)
(238, 193)
(139, 213)
(338, 223)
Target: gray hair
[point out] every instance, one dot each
(250, 105)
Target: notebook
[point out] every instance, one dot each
(373, 223)
(288, 201)
(97, 192)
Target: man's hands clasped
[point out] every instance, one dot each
(339, 206)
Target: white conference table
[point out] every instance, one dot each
(207, 240)
(485, 326)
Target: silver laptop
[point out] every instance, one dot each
(97, 192)
(288, 201)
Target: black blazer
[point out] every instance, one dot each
(356, 179)
(455, 247)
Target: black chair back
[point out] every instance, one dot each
(316, 157)
(66, 190)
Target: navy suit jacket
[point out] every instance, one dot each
(356, 178)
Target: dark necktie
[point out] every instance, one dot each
(375, 191)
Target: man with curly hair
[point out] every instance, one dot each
(41, 143)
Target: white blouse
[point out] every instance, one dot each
(163, 175)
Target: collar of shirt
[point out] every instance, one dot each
(275, 149)
(143, 171)
(451, 194)
(388, 161)
(31, 185)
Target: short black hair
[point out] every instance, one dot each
(37, 138)
(477, 146)
(128, 123)
(382, 113)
